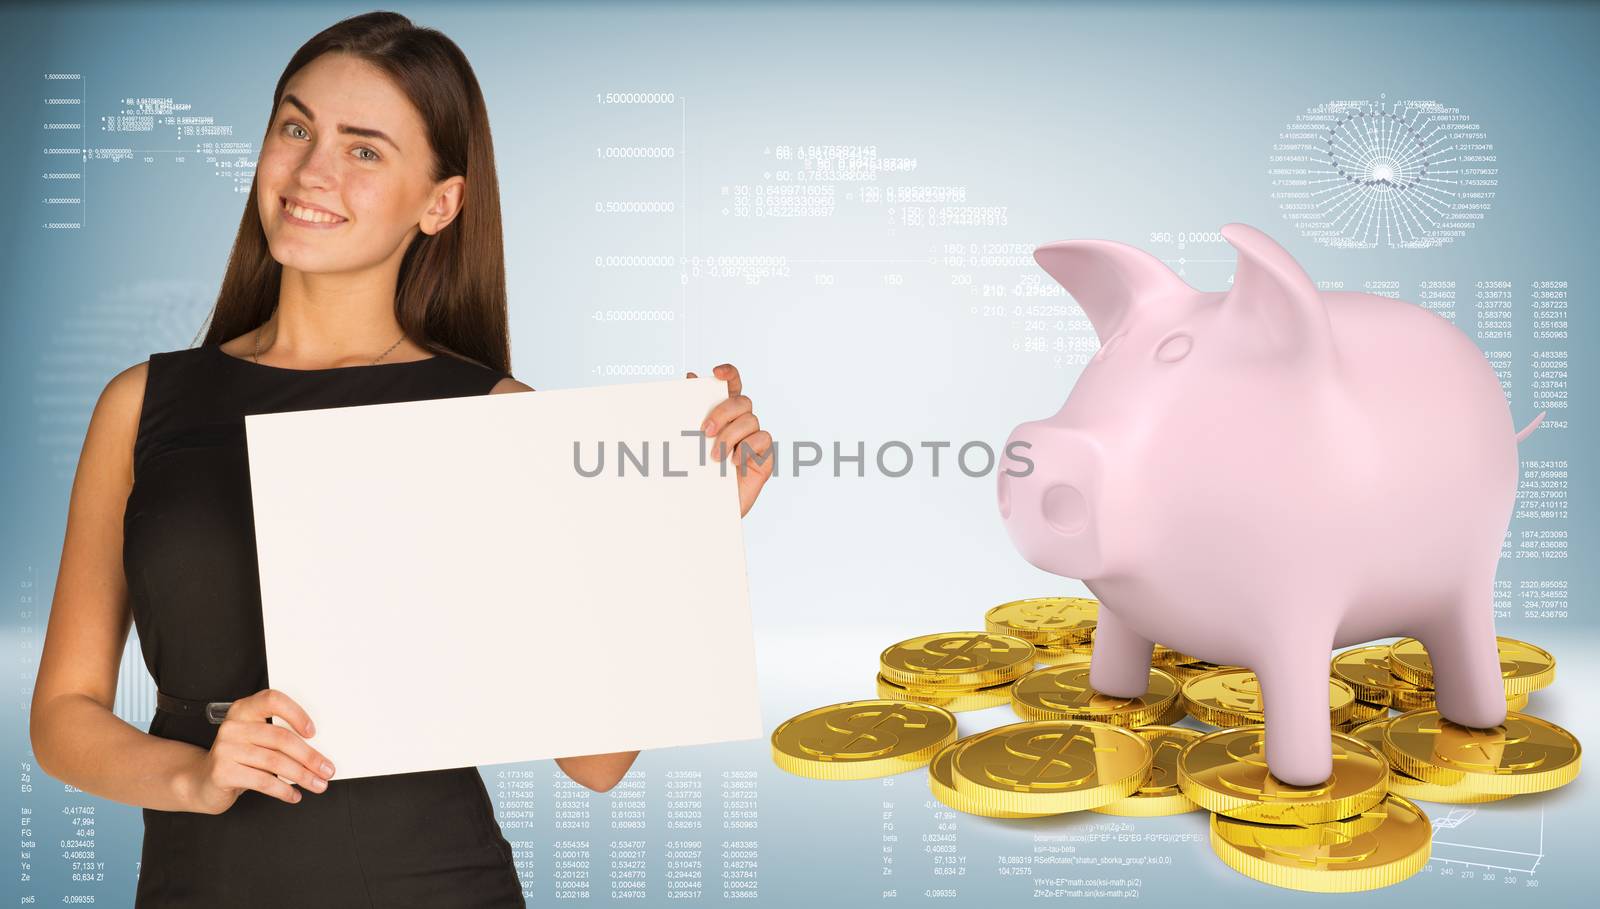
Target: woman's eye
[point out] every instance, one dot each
(291, 126)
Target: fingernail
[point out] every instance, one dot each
(318, 783)
(708, 427)
(327, 769)
(311, 729)
(297, 795)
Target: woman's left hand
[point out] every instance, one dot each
(733, 429)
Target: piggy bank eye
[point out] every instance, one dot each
(1174, 347)
(1110, 346)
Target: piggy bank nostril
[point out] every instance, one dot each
(1065, 509)
(1005, 495)
(1174, 348)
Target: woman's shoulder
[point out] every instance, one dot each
(123, 395)
(114, 423)
(128, 392)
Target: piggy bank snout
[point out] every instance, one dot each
(1048, 480)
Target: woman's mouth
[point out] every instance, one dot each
(302, 216)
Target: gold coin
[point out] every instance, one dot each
(1338, 861)
(1164, 656)
(1362, 711)
(1056, 656)
(1085, 646)
(1159, 793)
(1050, 766)
(1232, 697)
(1410, 697)
(966, 659)
(1415, 699)
(1044, 620)
(860, 739)
(1522, 755)
(1173, 715)
(1366, 669)
(941, 779)
(1316, 834)
(943, 690)
(1226, 772)
(952, 699)
(1187, 671)
(1523, 667)
(1063, 693)
(1402, 783)
(1056, 653)
(1406, 696)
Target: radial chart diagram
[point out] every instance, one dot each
(1402, 174)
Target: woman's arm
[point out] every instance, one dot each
(596, 771)
(76, 738)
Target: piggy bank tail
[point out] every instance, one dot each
(1528, 430)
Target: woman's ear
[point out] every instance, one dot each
(445, 204)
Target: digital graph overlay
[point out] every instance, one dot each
(1399, 174)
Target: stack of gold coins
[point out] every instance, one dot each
(1063, 693)
(1347, 834)
(1381, 846)
(861, 739)
(1078, 749)
(1040, 767)
(956, 670)
(1366, 671)
(1523, 669)
(1402, 783)
(1059, 628)
(1232, 697)
(1523, 755)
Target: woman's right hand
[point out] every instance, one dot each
(251, 754)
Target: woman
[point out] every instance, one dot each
(369, 271)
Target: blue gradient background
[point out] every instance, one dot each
(1114, 121)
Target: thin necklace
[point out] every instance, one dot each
(255, 355)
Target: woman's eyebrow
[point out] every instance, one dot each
(364, 131)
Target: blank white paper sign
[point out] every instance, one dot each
(441, 587)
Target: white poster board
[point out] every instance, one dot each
(441, 586)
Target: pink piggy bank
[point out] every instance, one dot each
(1261, 475)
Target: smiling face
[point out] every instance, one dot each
(348, 145)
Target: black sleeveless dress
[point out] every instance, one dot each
(414, 839)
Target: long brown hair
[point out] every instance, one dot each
(451, 293)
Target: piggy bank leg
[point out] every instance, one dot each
(1120, 663)
(1466, 661)
(1294, 695)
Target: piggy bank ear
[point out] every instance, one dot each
(1108, 279)
(1273, 299)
